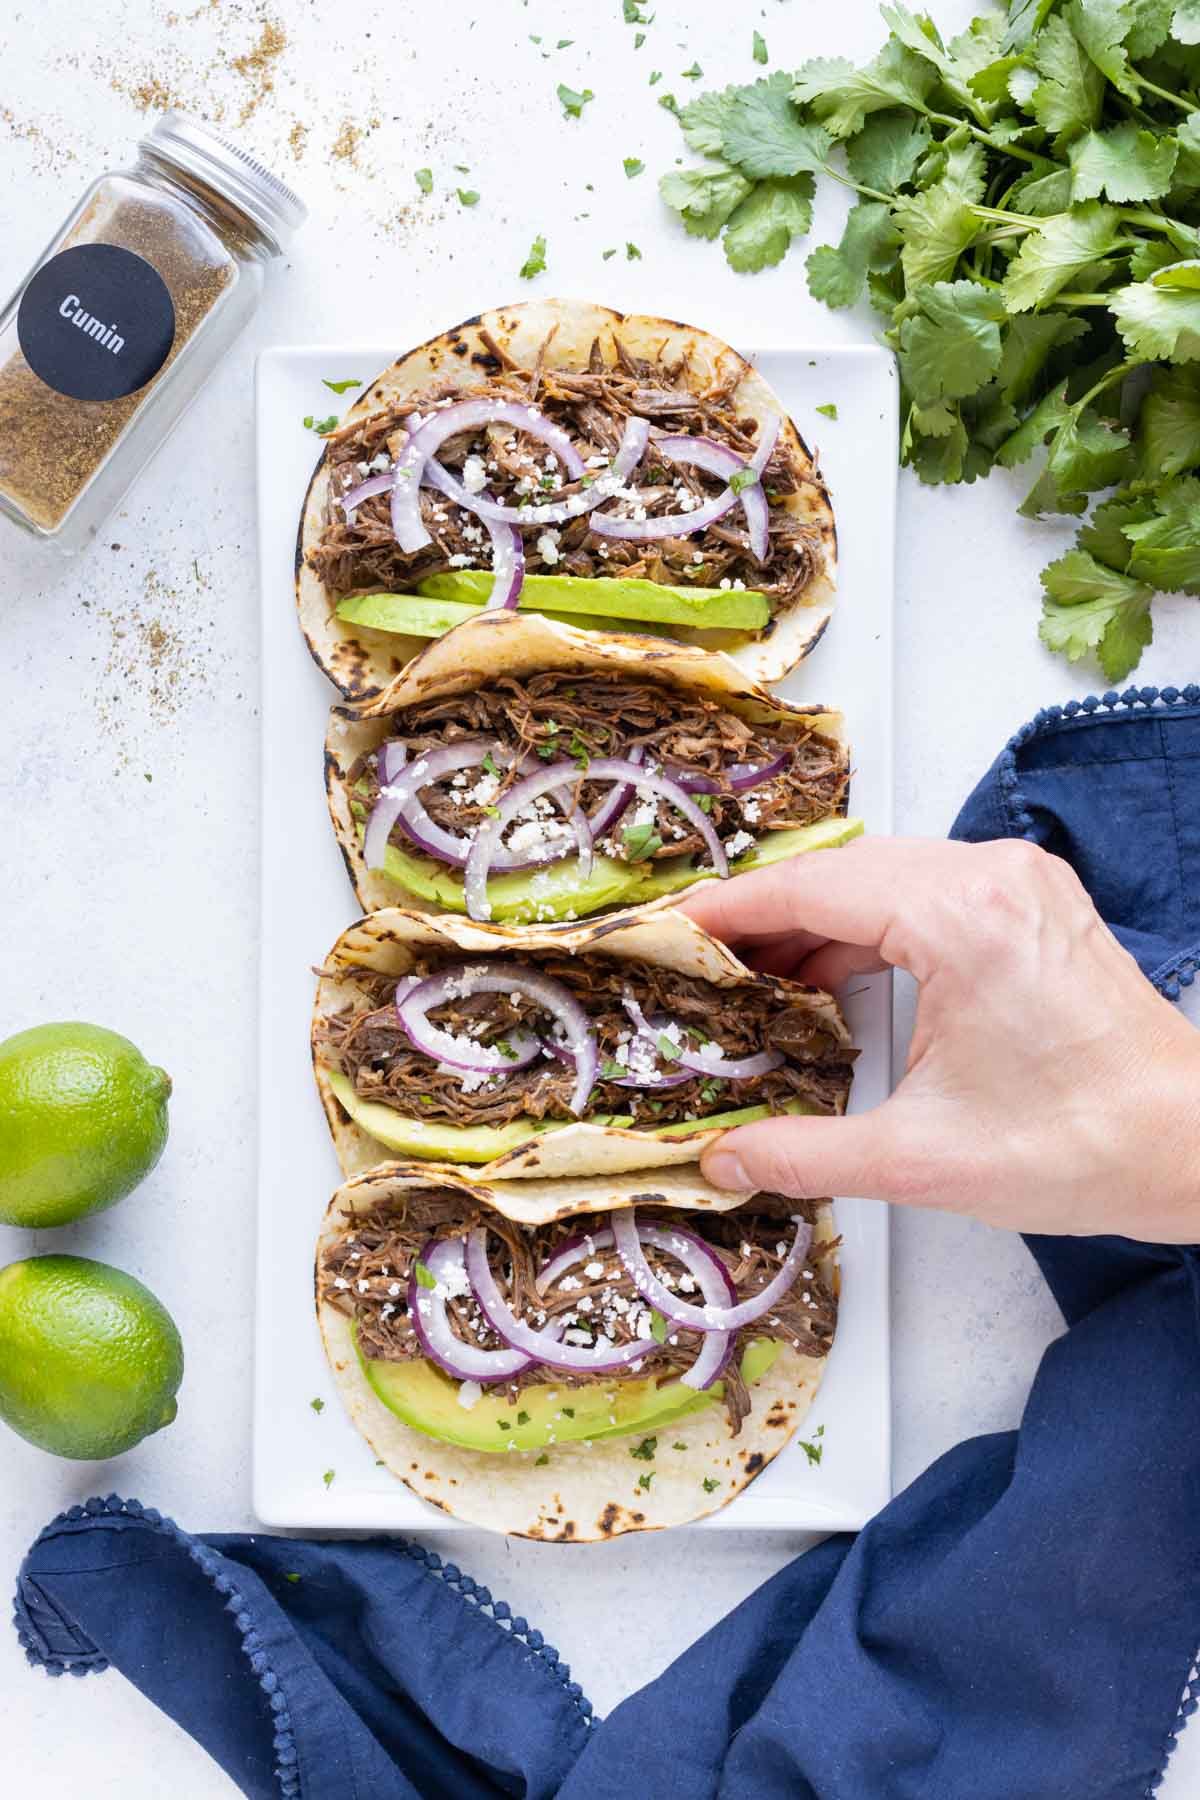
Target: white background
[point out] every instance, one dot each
(133, 902)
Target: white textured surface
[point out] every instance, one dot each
(133, 902)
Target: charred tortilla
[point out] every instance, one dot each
(581, 1491)
(647, 1108)
(588, 369)
(530, 686)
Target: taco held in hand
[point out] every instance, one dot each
(523, 771)
(561, 1362)
(623, 471)
(560, 1051)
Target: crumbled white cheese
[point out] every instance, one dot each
(740, 841)
(547, 546)
(474, 475)
(469, 1393)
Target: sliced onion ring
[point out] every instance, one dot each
(403, 785)
(538, 1344)
(600, 768)
(616, 800)
(556, 512)
(703, 1061)
(719, 460)
(508, 547)
(574, 1251)
(417, 1001)
(628, 1235)
(427, 1310)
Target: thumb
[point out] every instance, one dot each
(806, 1157)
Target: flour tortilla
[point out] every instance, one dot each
(578, 1495)
(361, 662)
(522, 644)
(392, 939)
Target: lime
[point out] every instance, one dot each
(89, 1359)
(83, 1117)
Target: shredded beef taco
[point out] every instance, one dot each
(560, 1050)
(554, 1361)
(524, 771)
(624, 472)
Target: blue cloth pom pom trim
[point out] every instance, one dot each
(88, 1660)
(1179, 971)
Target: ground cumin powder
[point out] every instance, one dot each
(178, 247)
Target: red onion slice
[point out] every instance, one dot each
(708, 1059)
(707, 1271)
(538, 1344)
(604, 484)
(743, 776)
(445, 1260)
(664, 525)
(374, 484)
(495, 977)
(601, 768)
(465, 1053)
(508, 549)
(711, 1316)
(718, 459)
(616, 800)
(574, 1251)
(401, 804)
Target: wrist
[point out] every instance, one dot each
(1168, 1184)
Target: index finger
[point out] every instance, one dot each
(874, 892)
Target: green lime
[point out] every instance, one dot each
(89, 1359)
(83, 1117)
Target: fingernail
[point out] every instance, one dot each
(724, 1168)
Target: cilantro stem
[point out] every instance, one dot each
(1115, 374)
(1162, 93)
(985, 137)
(1066, 299)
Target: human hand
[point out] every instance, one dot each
(1049, 1087)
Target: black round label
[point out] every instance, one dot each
(96, 322)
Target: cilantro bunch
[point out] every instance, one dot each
(1027, 220)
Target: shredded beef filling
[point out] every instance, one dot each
(558, 716)
(365, 1275)
(592, 405)
(368, 1045)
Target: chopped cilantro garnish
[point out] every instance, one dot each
(644, 1452)
(503, 1424)
(632, 253)
(741, 479)
(535, 262)
(538, 1461)
(668, 1049)
(632, 165)
(522, 1418)
(655, 77)
(612, 1071)
(679, 1446)
(328, 1476)
(506, 1049)
(569, 1411)
(645, 1480)
(710, 1090)
(564, 43)
(424, 180)
(758, 47)
(468, 196)
(669, 101)
(710, 1484)
(318, 1406)
(493, 812)
(656, 1106)
(341, 387)
(547, 752)
(633, 14)
(812, 1451)
(640, 842)
(704, 802)
(658, 1328)
(425, 1276)
(321, 426)
(490, 765)
(579, 750)
(639, 38)
(694, 73)
(608, 254)
(463, 168)
(829, 411)
(428, 1100)
(291, 1575)
(534, 39)
(573, 103)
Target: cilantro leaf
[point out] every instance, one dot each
(1169, 424)
(1185, 22)
(341, 387)
(952, 347)
(540, 1461)
(644, 1481)
(1166, 548)
(535, 262)
(644, 1451)
(467, 197)
(1104, 534)
(1089, 607)
(705, 197)
(640, 841)
(695, 73)
(869, 244)
(1060, 248)
(632, 166)
(1122, 164)
(1067, 100)
(658, 1328)
(632, 253)
(703, 121)
(573, 103)
(758, 47)
(936, 227)
(424, 180)
(765, 135)
(425, 1275)
(812, 1451)
(772, 214)
(710, 1484)
(1051, 411)
(829, 411)
(1100, 26)
(887, 150)
(318, 1406)
(1160, 318)
(328, 1476)
(843, 97)
(1029, 342)
(322, 427)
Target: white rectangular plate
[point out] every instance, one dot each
(307, 901)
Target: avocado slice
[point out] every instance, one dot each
(559, 893)
(673, 873)
(417, 616)
(434, 1139)
(614, 597)
(422, 1396)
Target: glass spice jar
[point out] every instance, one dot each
(132, 305)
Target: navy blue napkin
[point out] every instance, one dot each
(1019, 1624)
